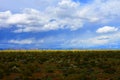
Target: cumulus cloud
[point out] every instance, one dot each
(32, 20)
(107, 29)
(67, 4)
(3, 17)
(64, 14)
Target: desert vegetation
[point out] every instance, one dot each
(59, 65)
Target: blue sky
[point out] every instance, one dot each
(77, 24)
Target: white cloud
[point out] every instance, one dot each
(103, 11)
(63, 14)
(98, 40)
(31, 20)
(26, 41)
(68, 4)
(101, 40)
(17, 19)
(62, 41)
(107, 29)
(3, 17)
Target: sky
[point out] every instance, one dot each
(59, 24)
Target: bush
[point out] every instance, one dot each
(110, 70)
(1, 74)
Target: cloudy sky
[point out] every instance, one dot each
(91, 24)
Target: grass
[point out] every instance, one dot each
(60, 65)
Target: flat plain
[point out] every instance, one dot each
(60, 65)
